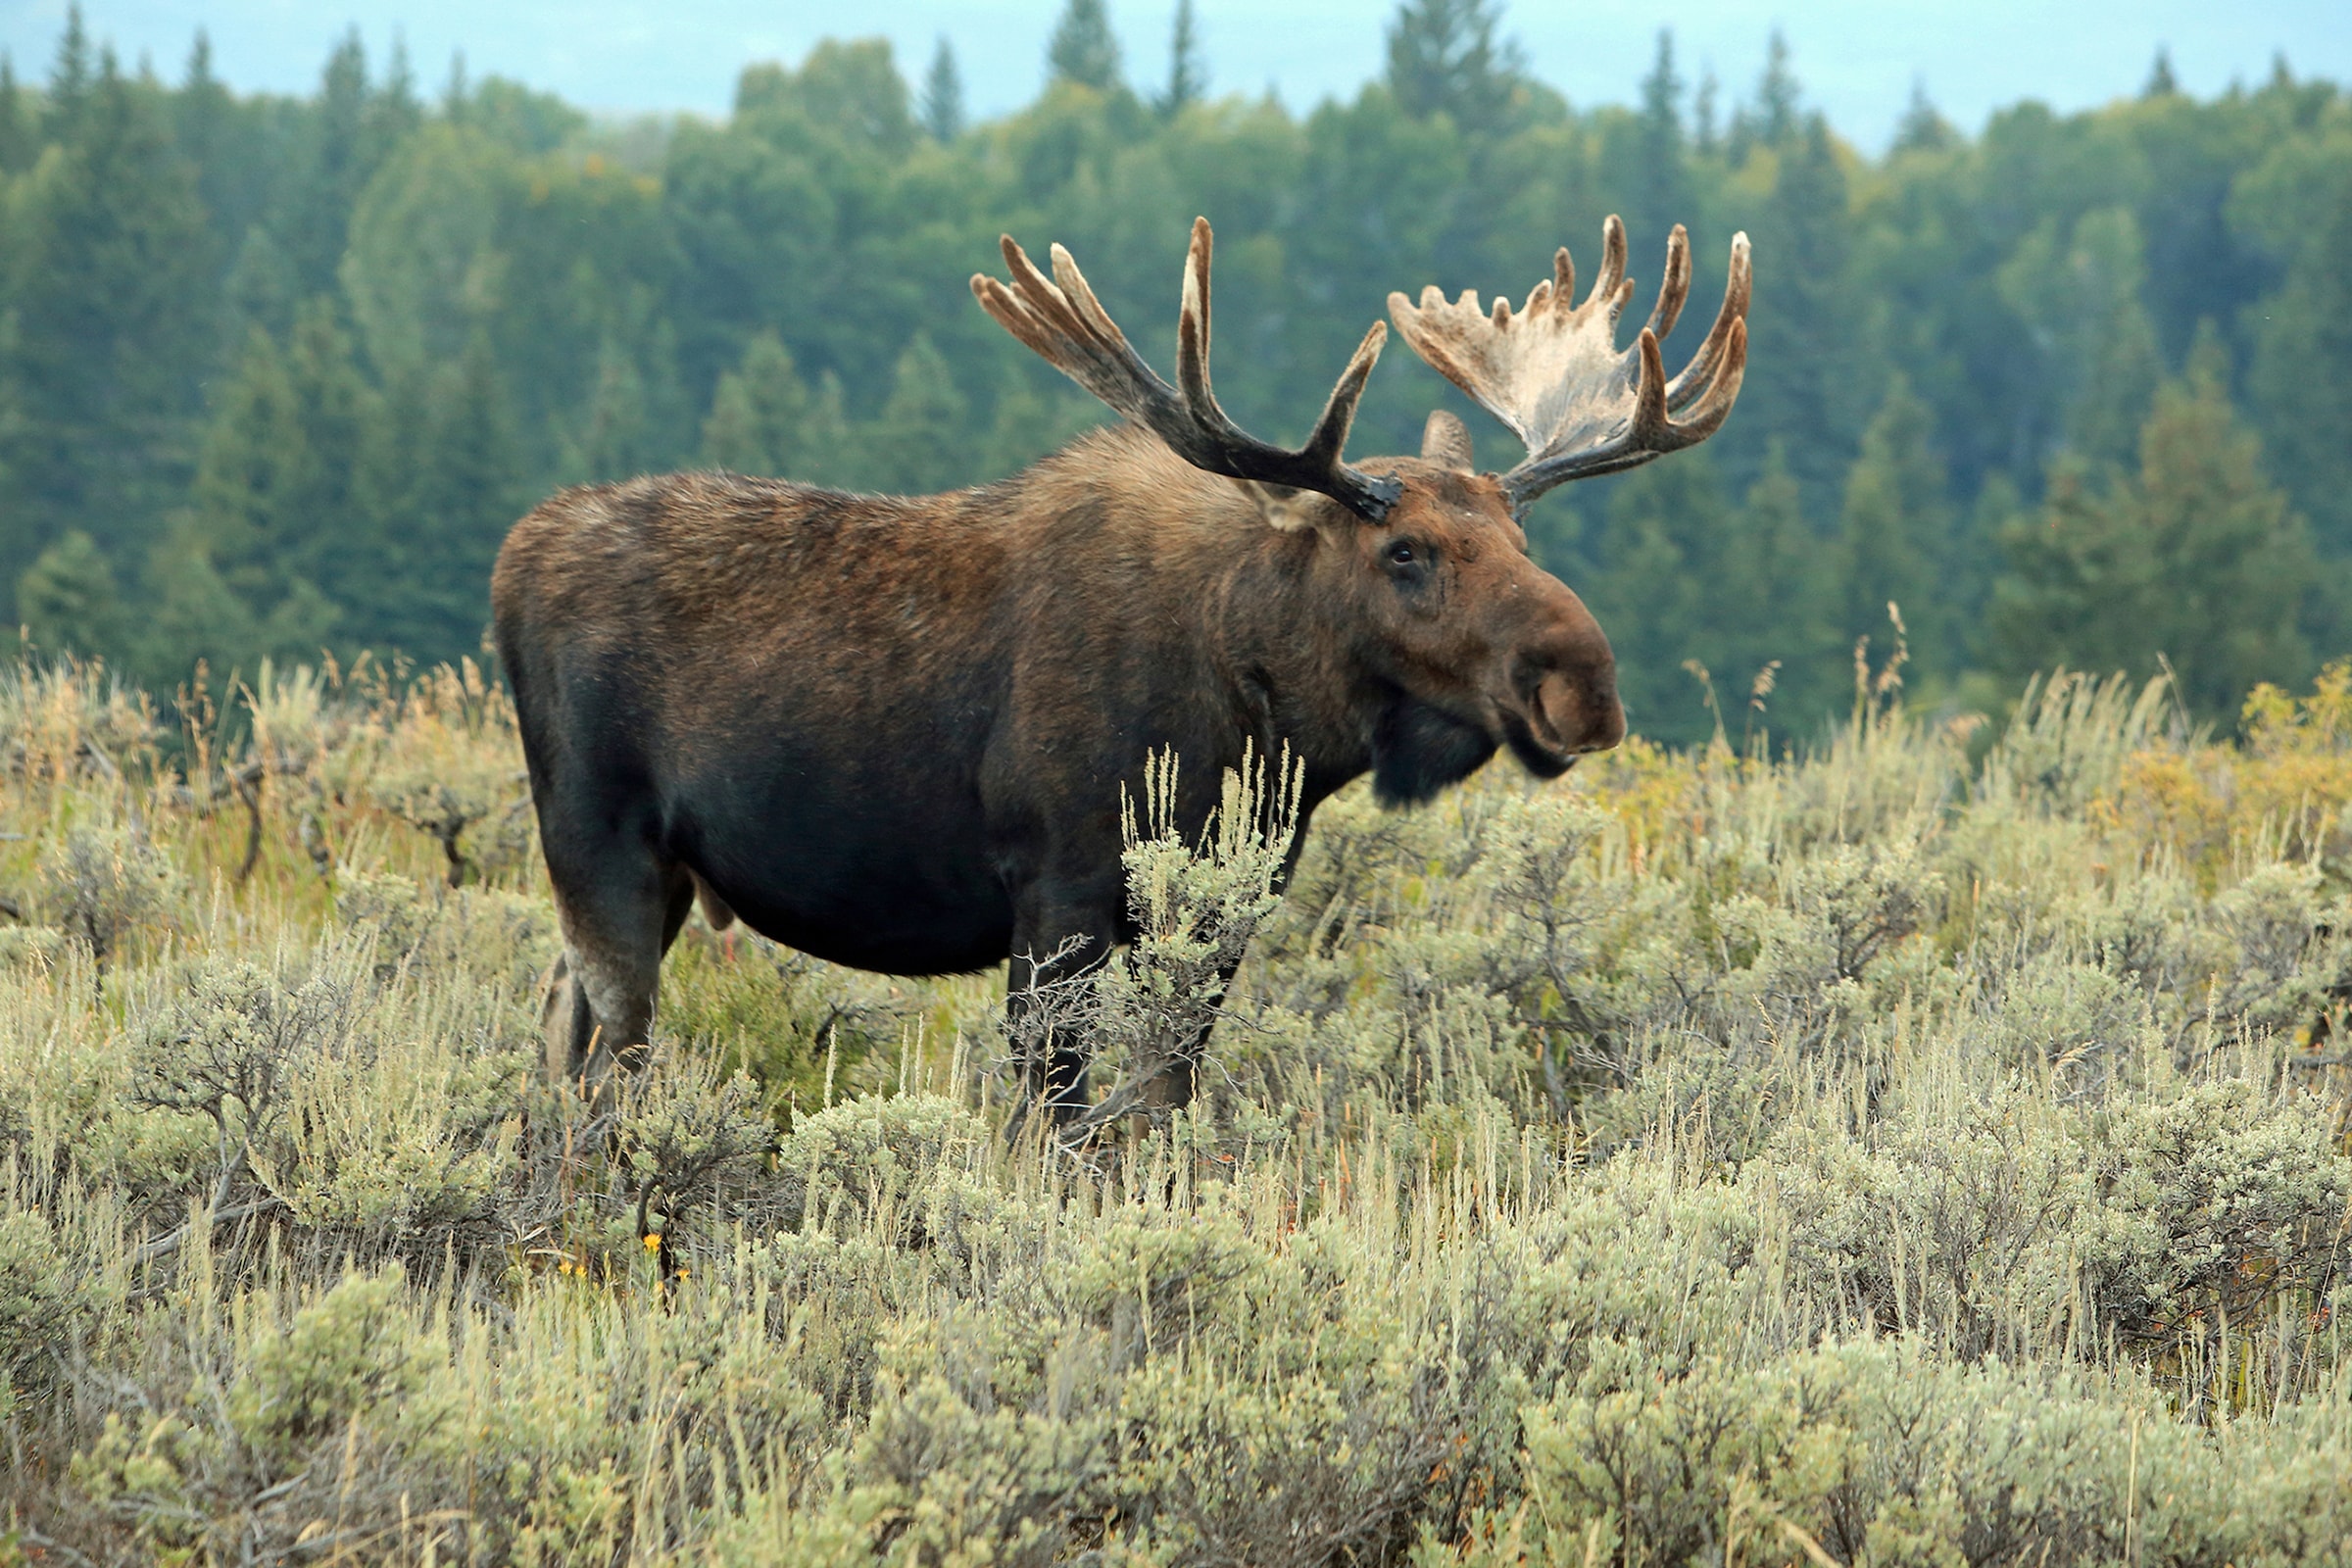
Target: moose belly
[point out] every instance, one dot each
(855, 877)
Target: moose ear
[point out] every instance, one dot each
(1283, 508)
(1446, 439)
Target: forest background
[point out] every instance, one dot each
(276, 373)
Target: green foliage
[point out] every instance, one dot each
(412, 319)
(2196, 559)
(942, 109)
(1082, 49)
(1445, 58)
(66, 599)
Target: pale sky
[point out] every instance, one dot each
(1856, 57)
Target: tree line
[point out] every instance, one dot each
(277, 372)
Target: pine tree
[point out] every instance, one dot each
(251, 474)
(828, 449)
(1779, 99)
(16, 139)
(1780, 604)
(1895, 534)
(1703, 131)
(353, 127)
(2118, 383)
(1445, 58)
(1083, 49)
(464, 500)
(2195, 557)
(1778, 115)
(2161, 82)
(1800, 361)
(111, 294)
(340, 544)
(943, 95)
(1661, 195)
(1188, 72)
(2300, 380)
(67, 599)
(760, 413)
(615, 440)
(917, 443)
(72, 80)
(1922, 128)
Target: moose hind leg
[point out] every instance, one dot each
(616, 924)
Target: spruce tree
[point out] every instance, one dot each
(67, 599)
(760, 413)
(1779, 605)
(2119, 384)
(1661, 194)
(1083, 49)
(1778, 113)
(17, 142)
(2300, 381)
(1895, 535)
(615, 440)
(1445, 58)
(72, 80)
(111, 294)
(1188, 72)
(1922, 128)
(1802, 328)
(464, 498)
(943, 95)
(250, 477)
(828, 449)
(1703, 131)
(918, 443)
(339, 543)
(2195, 557)
(1779, 99)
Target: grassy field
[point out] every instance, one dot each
(1928, 1149)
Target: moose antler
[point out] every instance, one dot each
(1555, 376)
(1063, 320)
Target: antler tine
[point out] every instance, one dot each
(1065, 324)
(1675, 288)
(1612, 261)
(1701, 372)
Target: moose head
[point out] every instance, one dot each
(1422, 571)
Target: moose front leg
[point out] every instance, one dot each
(1172, 1086)
(1058, 943)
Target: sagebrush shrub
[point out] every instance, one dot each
(1714, 1159)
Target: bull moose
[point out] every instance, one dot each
(894, 732)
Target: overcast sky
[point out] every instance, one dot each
(1856, 57)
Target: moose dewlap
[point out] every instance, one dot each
(894, 732)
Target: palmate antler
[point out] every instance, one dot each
(1555, 376)
(1063, 320)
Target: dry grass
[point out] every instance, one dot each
(1928, 1149)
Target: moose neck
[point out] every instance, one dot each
(1295, 643)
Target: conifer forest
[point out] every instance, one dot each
(1893, 1108)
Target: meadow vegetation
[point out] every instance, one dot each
(1926, 1149)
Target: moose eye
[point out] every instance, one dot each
(1401, 554)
